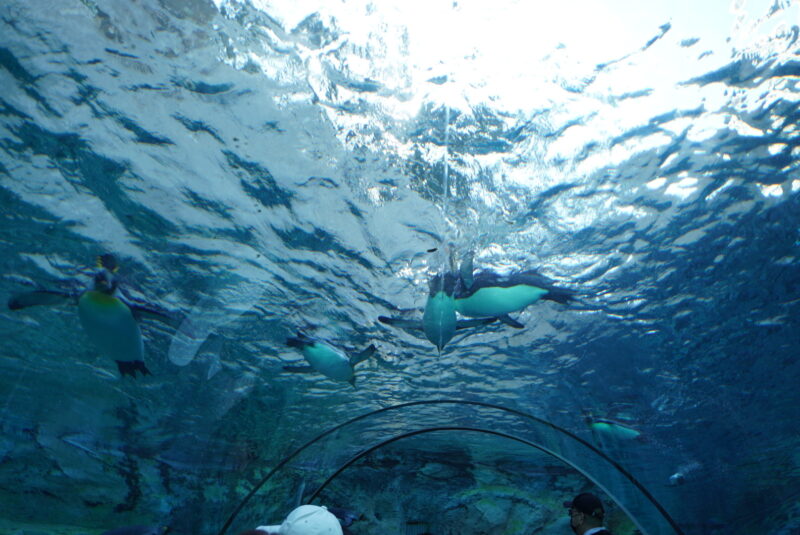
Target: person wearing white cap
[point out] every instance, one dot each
(306, 520)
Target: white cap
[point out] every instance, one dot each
(307, 520)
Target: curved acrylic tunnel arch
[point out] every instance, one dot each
(315, 496)
(319, 461)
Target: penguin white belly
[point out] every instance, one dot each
(616, 430)
(439, 319)
(498, 301)
(111, 326)
(328, 362)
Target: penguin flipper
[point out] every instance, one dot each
(477, 322)
(505, 318)
(401, 323)
(130, 367)
(39, 297)
(361, 356)
(141, 311)
(299, 369)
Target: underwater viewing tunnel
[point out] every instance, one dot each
(439, 264)
(441, 431)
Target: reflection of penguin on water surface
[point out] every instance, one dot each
(107, 315)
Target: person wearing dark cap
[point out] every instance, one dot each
(586, 515)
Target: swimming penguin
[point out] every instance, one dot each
(490, 294)
(439, 322)
(684, 472)
(613, 429)
(678, 478)
(107, 315)
(327, 360)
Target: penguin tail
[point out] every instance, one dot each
(588, 416)
(295, 342)
(560, 295)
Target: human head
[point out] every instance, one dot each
(585, 512)
(307, 520)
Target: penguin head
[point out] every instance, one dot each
(678, 478)
(442, 283)
(105, 281)
(108, 261)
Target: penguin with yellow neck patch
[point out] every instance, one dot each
(107, 315)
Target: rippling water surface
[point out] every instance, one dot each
(267, 167)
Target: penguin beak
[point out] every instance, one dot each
(104, 281)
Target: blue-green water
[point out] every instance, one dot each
(263, 168)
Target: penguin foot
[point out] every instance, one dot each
(505, 318)
(130, 367)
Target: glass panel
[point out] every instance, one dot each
(525, 438)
